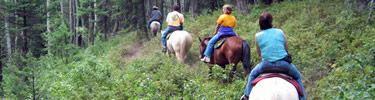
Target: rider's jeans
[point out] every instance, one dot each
(166, 32)
(292, 71)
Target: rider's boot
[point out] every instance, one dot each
(206, 59)
(164, 49)
(244, 97)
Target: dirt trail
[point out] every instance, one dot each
(135, 51)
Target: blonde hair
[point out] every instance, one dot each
(227, 9)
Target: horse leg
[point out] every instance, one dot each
(231, 73)
(179, 56)
(210, 72)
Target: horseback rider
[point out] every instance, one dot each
(225, 24)
(271, 45)
(174, 20)
(155, 16)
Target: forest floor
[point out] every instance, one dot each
(135, 51)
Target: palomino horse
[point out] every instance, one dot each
(155, 28)
(274, 88)
(180, 43)
(232, 51)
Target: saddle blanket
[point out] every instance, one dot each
(290, 80)
(170, 33)
(219, 43)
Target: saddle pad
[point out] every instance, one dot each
(291, 81)
(219, 43)
(169, 35)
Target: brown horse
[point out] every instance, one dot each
(232, 51)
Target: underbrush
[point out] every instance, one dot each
(331, 46)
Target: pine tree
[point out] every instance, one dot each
(371, 8)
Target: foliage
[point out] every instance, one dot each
(329, 42)
(346, 83)
(22, 79)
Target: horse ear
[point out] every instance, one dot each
(200, 40)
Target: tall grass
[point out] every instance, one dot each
(330, 45)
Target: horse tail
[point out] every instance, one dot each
(182, 49)
(185, 45)
(246, 56)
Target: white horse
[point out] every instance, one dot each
(274, 88)
(180, 43)
(155, 28)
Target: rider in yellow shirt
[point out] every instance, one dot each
(224, 25)
(174, 20)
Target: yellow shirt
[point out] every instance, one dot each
(175, 19)
(227, 20)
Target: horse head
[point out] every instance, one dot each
(203, 45)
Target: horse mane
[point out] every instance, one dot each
(206, 38)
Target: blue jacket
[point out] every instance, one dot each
(226, 31)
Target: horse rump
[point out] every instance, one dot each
(155, 28)
(273, 88)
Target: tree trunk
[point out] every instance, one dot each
(250, 2)
(191, 8)
(162, 9)
(148, 7)
(241, 6)
(362, 4)
(83, 26)
(268, 2)
(105, 20)
(371, 8)
(187, 5)
(7, 35)
(171, 6)
(89, 30)
(71, 20)
(48, 29)
(76, 22)
(25, 41)
(62, 11)
(95, 21)
(1, 69)
(233, 1)
(114, 31)
(33, 78)
(195, 8)
(16, 28)
(181, 3)
(144, 23)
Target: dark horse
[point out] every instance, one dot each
(232, 51)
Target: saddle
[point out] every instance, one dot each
(170, 33)
(155, 21)
(277, 72)
(221, 41)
